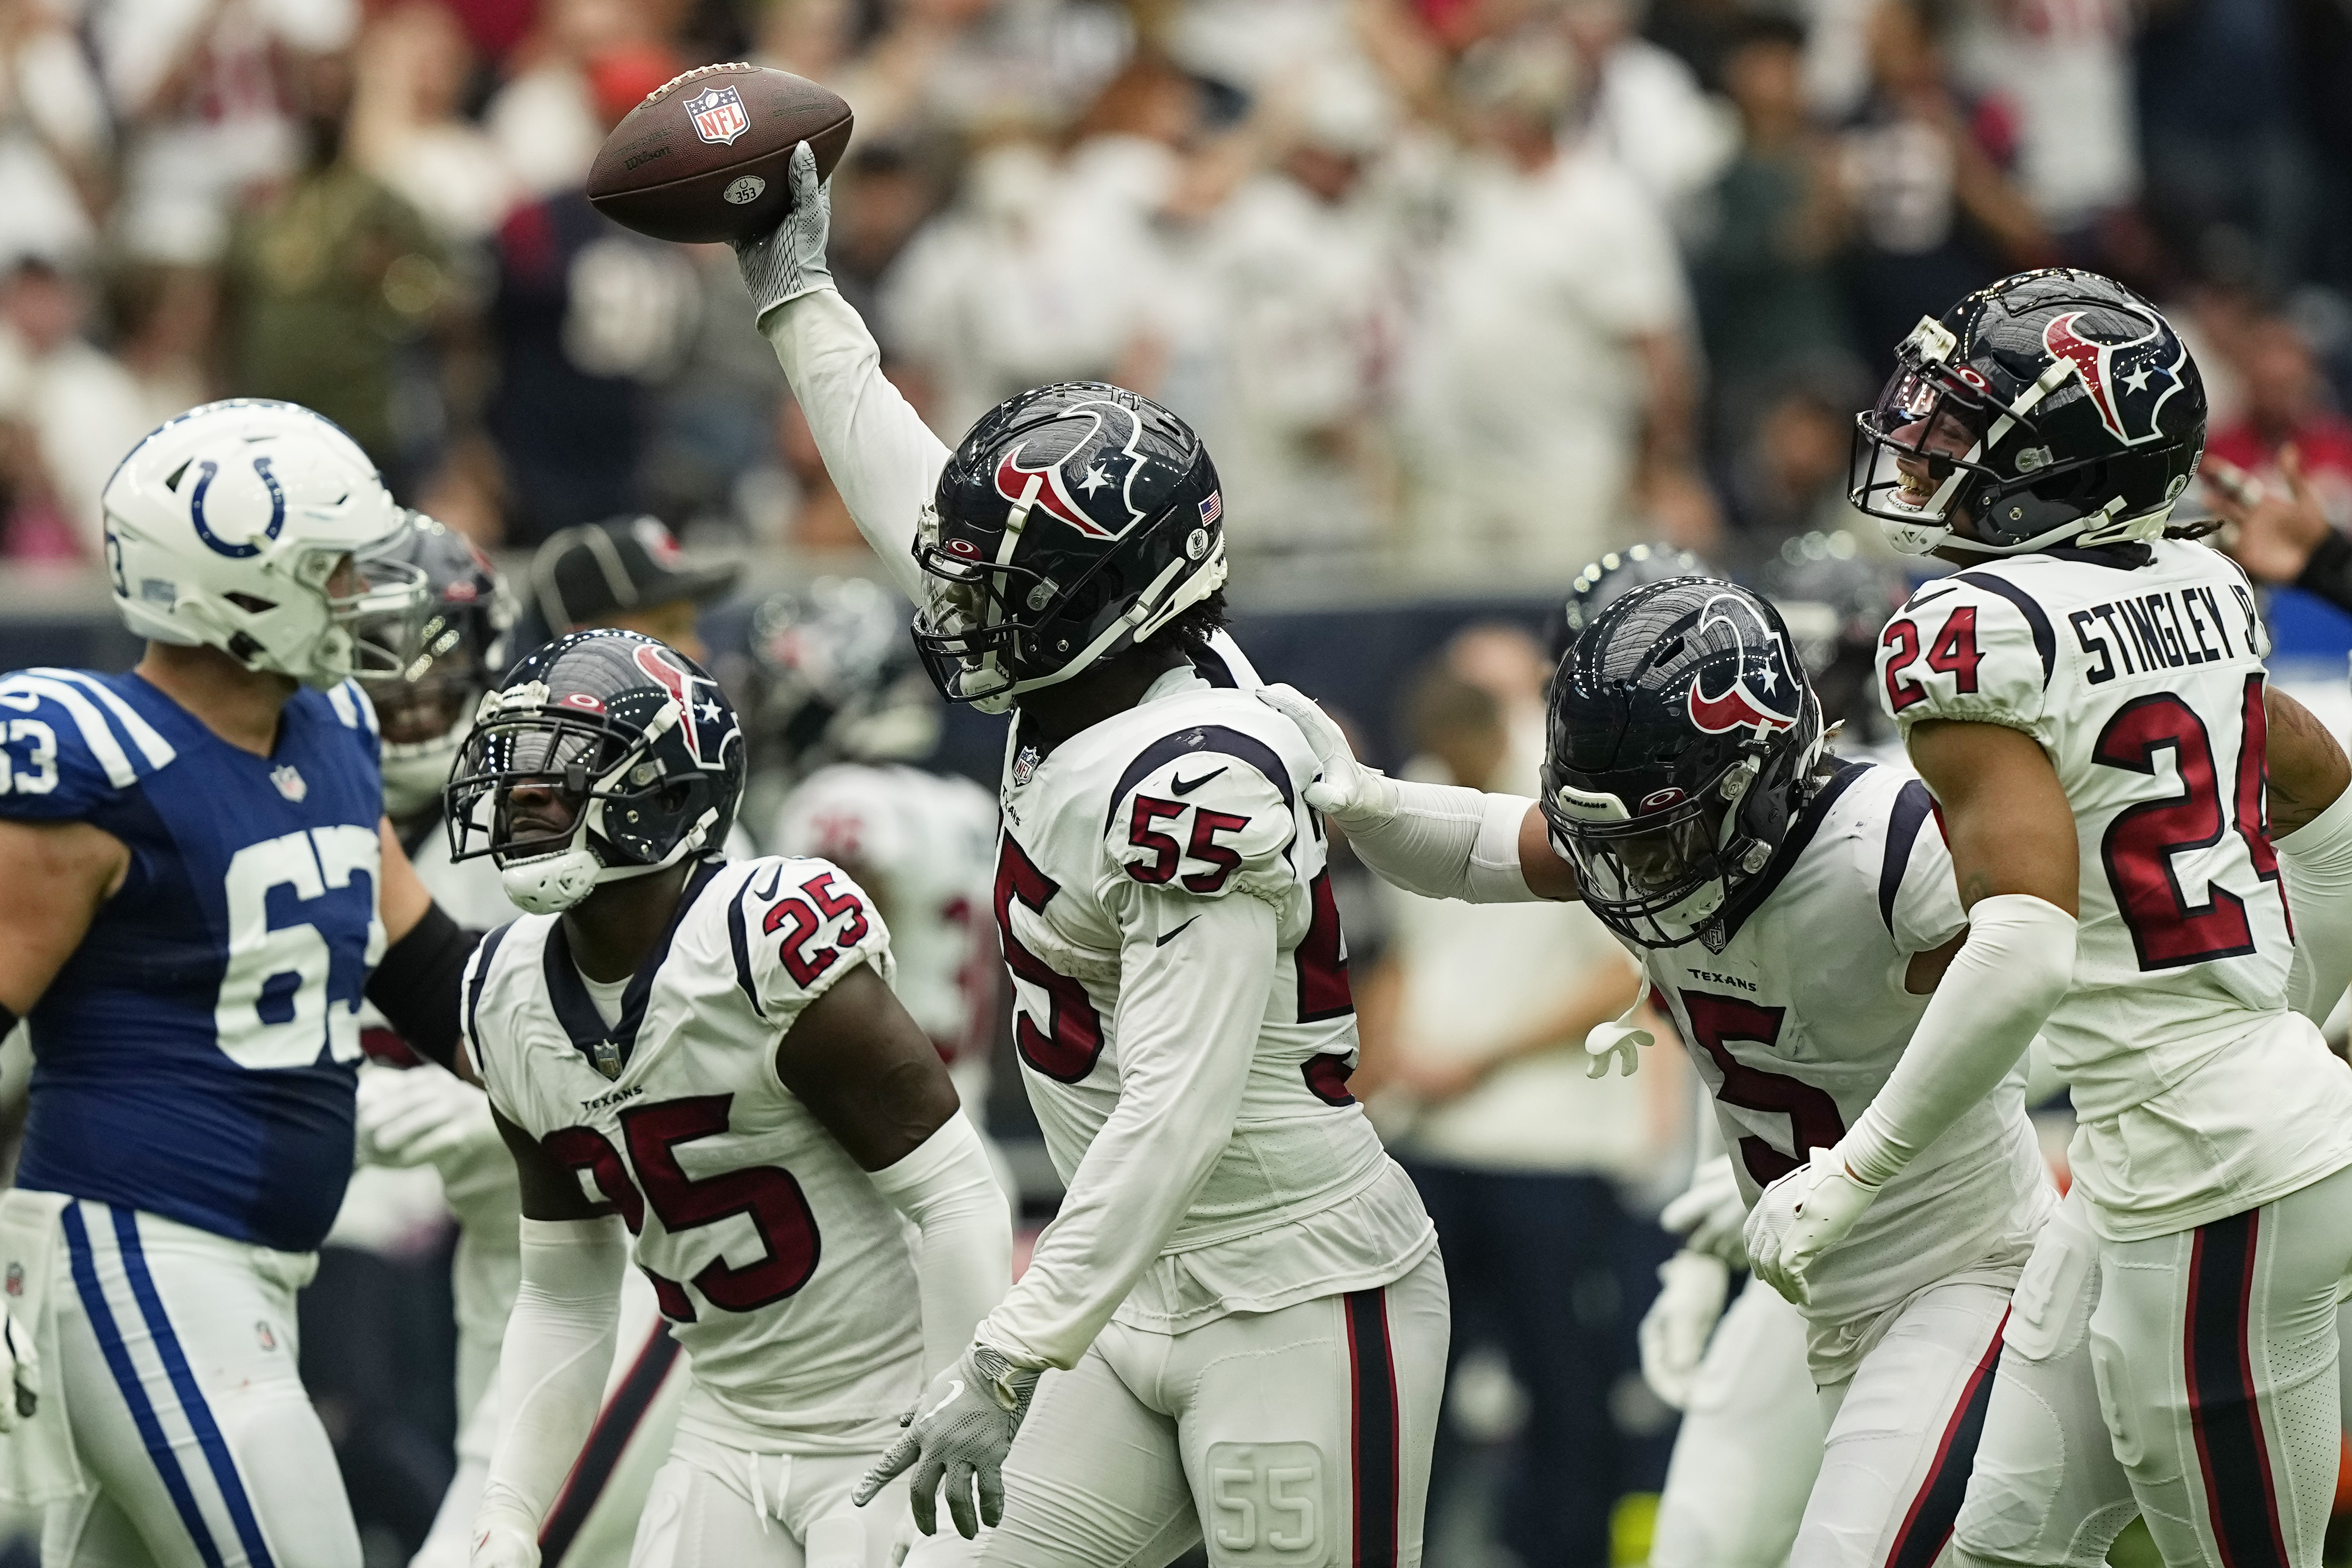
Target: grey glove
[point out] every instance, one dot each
(789, 261)
(959, 1432)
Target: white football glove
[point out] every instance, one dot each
(789, 261)
(1349, 793)
(23, 1363)
(958, 1432)
(423, 1116)
(1710, 1215)
(1801, 1217)
(1673, 1331)
(504, 1546)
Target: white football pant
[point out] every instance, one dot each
(2214, 1354)
(177, 1370)
(1749, 1445)
(1299, 1437)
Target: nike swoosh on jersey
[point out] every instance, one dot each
(955, 1386)
(1186, 787)
(1168, 937)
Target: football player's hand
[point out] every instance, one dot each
(1673, 1331)
(504, 1545)
(1800, 1217)
(23, 1368)
(959, 1433)
(789, 261)
(423, 1116)
(1710, 1214)
(2273, 530)
(1349, 793)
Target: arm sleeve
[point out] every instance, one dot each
(965, 1260)
(1447, 842)
(882, 457)
(1187, 1024)
(553, 1367)
(2317, 861)
(1973, 648)
(2014, 968)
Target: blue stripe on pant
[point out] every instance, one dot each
(199, 1416)
(192, 1397)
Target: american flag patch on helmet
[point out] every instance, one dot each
(1213, 508)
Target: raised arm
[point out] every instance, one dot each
(883, 459)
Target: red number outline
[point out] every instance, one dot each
(2141, 843)
(1902, 637)
(1814, 1118)
(1955, 653)
(1069, 1047)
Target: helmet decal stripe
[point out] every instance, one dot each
(2118, 376)
(1074, 499)
(205, 474)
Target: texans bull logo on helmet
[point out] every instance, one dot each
(1745, 704)
(2128, 380)
(1090, 485)
(700, 713)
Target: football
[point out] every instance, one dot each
(703, 158)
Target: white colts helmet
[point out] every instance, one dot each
(226, 525)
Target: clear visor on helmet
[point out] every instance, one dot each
(1654, 880)
(1915, 450)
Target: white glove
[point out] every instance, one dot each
(23, 1364)
(504, 1546)
(1710, 1214)
(1349, 793)
(959, 1432)
(789, 261)
(423, 1116)
(1673, 1331)
(1801, 1217)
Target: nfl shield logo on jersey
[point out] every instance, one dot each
(289, 782)
(718, 115)
(1024, 766)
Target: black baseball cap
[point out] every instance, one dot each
(581, 574)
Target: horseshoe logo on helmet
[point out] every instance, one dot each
(1741, 706)
(205, 475)
(1090, 486)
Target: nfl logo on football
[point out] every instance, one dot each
(718, 115)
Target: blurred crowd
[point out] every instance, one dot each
(1462, 290)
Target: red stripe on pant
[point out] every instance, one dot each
(1937, 1507)
(607, 1440)
(2241, 1493)
(1372, 1457)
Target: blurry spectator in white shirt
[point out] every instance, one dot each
(1550, 385)
(2063, 67)
(1472, 1028)
(206, 87)
(1647, 106)
(411, 70)
(1304, 313)
(80, 408)
(53, 133)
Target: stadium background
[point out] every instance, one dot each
(1462, 292)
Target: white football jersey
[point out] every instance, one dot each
(783, 1271)
(2139, 670)
(1197, 788)
(1796, 1023)
(924, 845)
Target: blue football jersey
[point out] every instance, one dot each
(196, 1056)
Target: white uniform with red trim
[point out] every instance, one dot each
(1794, 1021)
(783, 1271)
(1280, 1349)
(2207, 1111)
